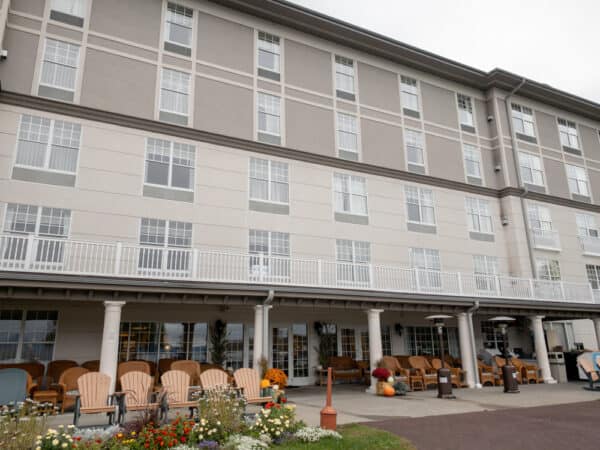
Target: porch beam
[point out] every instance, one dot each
(109, 351)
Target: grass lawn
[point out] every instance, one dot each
(355, 437)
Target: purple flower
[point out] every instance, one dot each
(208, 444)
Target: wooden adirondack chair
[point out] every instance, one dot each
(428, 373)
(529, 372)
(57, 367)
(192, 368)
(248, 380)
(137, 387)
(455, 374)
(486, 374)
(593, 376)
(393, 365)
(212, 378)
(67, 383)
(94, 397)
(176, 385)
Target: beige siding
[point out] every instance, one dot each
(17, 75)
(382, 144)
(33, 7)
(556, 178)
(444, 158)
(439, 105)
(308, 67)
(378, 88)
(316, 135)
(548, 130)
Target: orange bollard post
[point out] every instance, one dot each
(328, 414)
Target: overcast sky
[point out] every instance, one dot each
(550, 41)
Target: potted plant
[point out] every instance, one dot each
(218, 342)
(326, 343)
(383, 376)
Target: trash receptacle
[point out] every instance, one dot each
(557, 366)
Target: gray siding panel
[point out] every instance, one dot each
(16, 72)
(421, 228)
(41, 176)
(352, 218)
(378, 87)
(548, 130)
(444, 157)
(382, 144)
(439, 105)
(33, 7)
(590, 141)
(168, 194)
(273, 208)
(310, 128)
(481, 236)
(57, 94)
(307, 67)
(556, 178)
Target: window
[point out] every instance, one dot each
(300, 350)
(415, 154)
(419, 205)
(578, 182)
(465, 110)
(547, 269)
(348, 342)
(268, 54)
(353, 258)
(568, 133)
(174, 93)
(59, 66)
(344, 77)
(427, 263)
(170, 164)
(485, 269)
(68, 11)
(425, 341)
(281, 349)
(350, 194)
(386, 342)
(472, 162)
(347, 134)
(539, 218)
(491, 335)
(409, 93)
(269, 181)
(178, 28)
(269, 114)
(235, 346)
(27, 335)
(272, 250)
(586, 225)
(48, 144)
(522, 117)
(593, 274)
(531, 169)
(479, 216)
(156, 235)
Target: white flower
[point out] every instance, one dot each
(55, 442)
(64, 445)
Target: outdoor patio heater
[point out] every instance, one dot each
(509, 372)
(444, 376)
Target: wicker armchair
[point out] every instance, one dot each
(67, 383)
(428, 373)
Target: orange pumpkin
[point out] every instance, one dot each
(389, 391)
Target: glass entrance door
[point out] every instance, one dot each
(289, 352)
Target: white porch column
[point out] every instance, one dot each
(375, 348)
(540, 348)
(258, 335)
(265, 328)
(109, 352)
(466, 353)
(597, 328)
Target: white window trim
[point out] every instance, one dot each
(77, 67)
(280, 54)
(534, 121)
(165, 27)
(577, 134)
(480, 201)
(578, 180)
(464, 155)
(166, 243)
(358, 150)
(258, 130)
(538, 207)
(170, 173)
(587, 225)
(84, 7)
(542, 171)
(419, 189)
(418, 94)
(425, 164)
(473, 112)
(269, 179)
(38, 221)
(351, 193)
(541, 260)
(189, 94)
(354, 76)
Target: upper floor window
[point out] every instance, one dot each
(347, 134)
(428, 265)
(174, 96)
(170, 164)
(419, 205)
(179, 23)
(268, 55)
(522, 117)
(350, 194)
(269, 181)
(353, 258)
(531, 169)
(472, 163)
(485, 269)
(59, 70)
(48, 144)
(539, 217)
(269, 118)
(465, 110)
(547, 269)
(478, 212)
(31, 219)
(568, 133)
(409, 94)
(578, 180)
(344, 77)
(593, 274)
(415, 152)
(274, 250)
(586, 225)
(68, 11)
(27, 335)
(168, 243)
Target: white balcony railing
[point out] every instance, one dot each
(590, 245)
(49, 255)
(545, 239)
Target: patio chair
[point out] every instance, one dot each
(529, 372)
(455, 373)
(486, 374)
(137, 388)
(57, 367)
(176, 386)
(501, 362)
(164, 365)
(393, 365)
(14, 385)
(67, 384)
(94, 397)
(592, 375)
(92, 366)
(34, 369)
(344, 368)
(192, 368)
(131, 366)
(212, 378)
(428, 373)
(248, 380)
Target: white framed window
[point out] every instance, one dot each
(269, 52)
(409, 93)
(75, 8)
(344, 74)
(269, 181)
(174, 92)
(350, 194)
(166, 246)
(428, 265)
(522, 118)
(48, 144)
(347, 133)
(465, 110)
(485, 269)
(353, 258)
(479, 216)
(59, 65)
(415, 151)
(269, 114)
(41, 221)
(179, 23)
(593, 274)
(569, 137)
(472, 157)
(586, 225)
(27, 335)
(539, 217)
(170, 164)
(547, 269)
(274, 250)
(578, 180)
(531, 169)
(420, 205)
